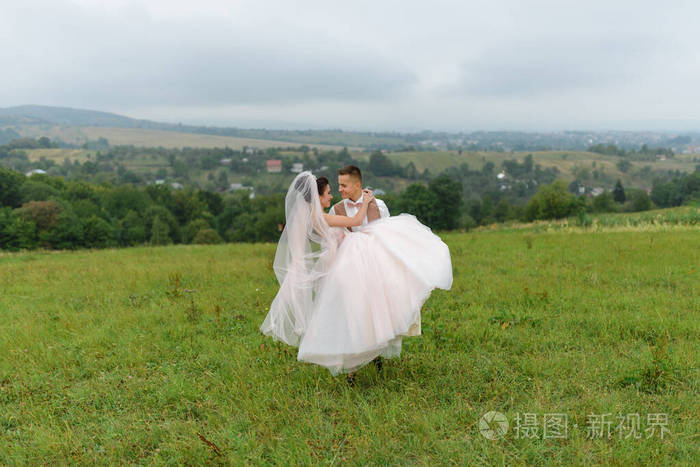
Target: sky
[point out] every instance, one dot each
(379, 65)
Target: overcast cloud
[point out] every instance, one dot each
(371, 65)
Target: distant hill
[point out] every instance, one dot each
(27, 116)
(41, 114)
(23, 119)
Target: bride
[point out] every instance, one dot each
(346, 298)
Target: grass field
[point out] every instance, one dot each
(58, 155)
(656, 220)
(153, 355)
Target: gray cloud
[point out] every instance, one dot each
(130, 58)
(361, 65)
(219, 75)
(551, 65)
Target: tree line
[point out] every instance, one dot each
(89, 211)
(644, 153)
(49, 212)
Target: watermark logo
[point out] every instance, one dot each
(493, 425)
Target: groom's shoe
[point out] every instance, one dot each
(378, 363)
(351, 379)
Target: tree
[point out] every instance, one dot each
(120, 200)
(10, 183)
(448, 206)
(132, 230)
(160, 232)
(16, 232)
(34, 190)
(475, 210)
(193, 228)
(81, 190)
(207, 237)
(166, 216)
(640, 201)
(666, 194)
(502, 210)
(222, 180)
(243, 228)
(97, 233)
(411, 172)
(44, 214)
(44, 142)
(186, 206)
(381, 165)
(420, 201)
(66, 234)
(550, 202)
(604, 202)
(267, 222)
(574, 185)
(619, 192)
(623, 165)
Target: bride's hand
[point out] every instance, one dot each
(367, 195)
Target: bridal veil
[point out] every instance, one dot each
(304, 254)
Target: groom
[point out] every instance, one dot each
(350, 187)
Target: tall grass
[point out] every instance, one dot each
(680, 218)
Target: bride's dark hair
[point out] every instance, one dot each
(322, 183)
(302, 186)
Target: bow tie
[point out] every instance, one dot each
(355, 205)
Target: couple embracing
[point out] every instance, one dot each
(353, 280)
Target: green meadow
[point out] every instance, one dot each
(152, 355)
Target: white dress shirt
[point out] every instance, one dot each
(352, 210)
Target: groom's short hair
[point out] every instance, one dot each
(351, 170)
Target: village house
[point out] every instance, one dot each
(596, 191)
(239, 186)
(274, 166)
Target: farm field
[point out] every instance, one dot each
(569, 163)
(155, 138)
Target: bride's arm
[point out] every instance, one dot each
(345, 221)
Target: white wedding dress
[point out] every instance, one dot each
(362, 292)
